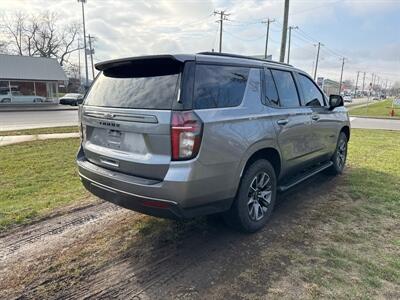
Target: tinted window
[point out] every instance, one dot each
(287, 91)
(312, 95)
(270, 89)
(219, 86)
(156, 92)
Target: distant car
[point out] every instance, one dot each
(71, 99)
(348, 98)
(18, 98)
(375, 98)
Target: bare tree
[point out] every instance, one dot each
(40, 35)
(3, 48)
(13, 30)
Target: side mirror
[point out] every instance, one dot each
(335, 101)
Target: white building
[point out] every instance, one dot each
(26, 79)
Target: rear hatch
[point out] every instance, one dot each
(126, 115)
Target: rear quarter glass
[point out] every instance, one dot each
(219, 86)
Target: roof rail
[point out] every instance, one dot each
(243, 56)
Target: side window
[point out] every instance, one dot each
(312, 95)
(270, 89)
(219, 86)
(287, 91)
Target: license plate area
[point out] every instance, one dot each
(100, 140)
(114, 138)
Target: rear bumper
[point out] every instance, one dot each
(178, 198)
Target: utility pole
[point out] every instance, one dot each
(84, 41)
(91, 50)
(355, 90)
(284, 31)
(317, 59)
(290, 37)
(341, 76)
(363, 85)
(373, 82)
(79, 62)
(222, 18)
(269, 21)
(371, 85)
(386, 85)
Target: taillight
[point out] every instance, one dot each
(186, 132)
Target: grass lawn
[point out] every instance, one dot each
(63, 129)
(343, 245)
(36, 178)
(355, 251)
(376, 109)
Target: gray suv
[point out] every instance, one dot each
(180, 136)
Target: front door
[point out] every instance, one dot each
(324, 126)
(291, 120)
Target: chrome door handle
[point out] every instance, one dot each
(315, 117)
(282, 122)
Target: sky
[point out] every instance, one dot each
(365, 32)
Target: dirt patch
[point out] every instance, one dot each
(103, 251)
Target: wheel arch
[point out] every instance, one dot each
(269, 153)
(346, 131)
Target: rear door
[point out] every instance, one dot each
(126, 117)
(291, 120)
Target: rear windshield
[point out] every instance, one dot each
(132, 91)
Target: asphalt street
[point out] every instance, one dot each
(370, 123)
(40, 119)
(37, 119)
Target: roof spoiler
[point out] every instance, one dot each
(140, 61)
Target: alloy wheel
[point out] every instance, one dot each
(259, 196)
(341, 153)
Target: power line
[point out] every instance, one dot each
(245, 40)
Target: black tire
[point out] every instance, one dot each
(340, 155)
(250, 216)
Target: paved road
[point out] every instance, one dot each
(370, 123)
(37, 119)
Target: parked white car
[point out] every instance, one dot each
(17, 98)
(347, 98)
